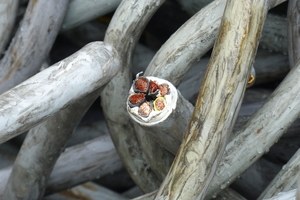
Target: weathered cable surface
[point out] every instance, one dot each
(218, 102)
(160, 70)
(289, 195)
(279, 184)
(173, 60)
(123, 33)
(181, 50)
(32, 42)
(58, 86)
(169, 56)
(259, 133)
(102, 159)
(80, 12)
(269, 67)
(159, 159)
(293, 16)
(8, 13)
(262, 130)
(274, 35)
(41, 148)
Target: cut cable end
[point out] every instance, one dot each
(151, 99)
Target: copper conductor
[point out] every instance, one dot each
(145, 109)
(148, 96)
(251, 79)
(141, 84)
(153, 87)
(137, 98)
(159, 104)
(164, 89)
